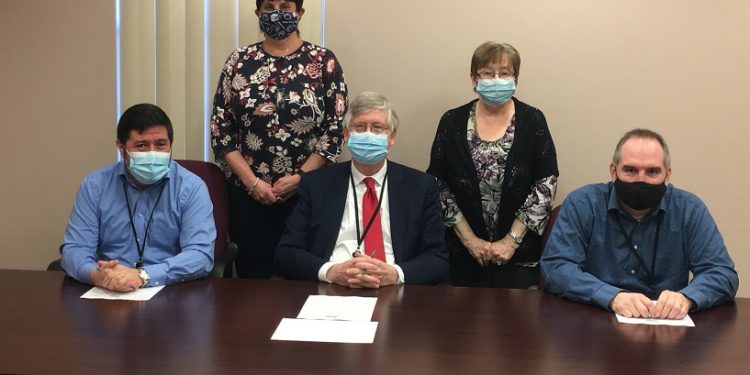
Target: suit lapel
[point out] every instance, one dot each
(335, 201)
(397, 203)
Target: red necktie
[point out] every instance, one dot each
(374, 237)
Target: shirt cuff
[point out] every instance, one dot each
(84, 272)
(157, 275)
(698, 300)
(604, 295)
(401, 279)
(324, 270)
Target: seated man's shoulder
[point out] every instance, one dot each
(325, 175)
(186, 176)
(411, 174)
(589, 194)
(683, 197)
(101, 176)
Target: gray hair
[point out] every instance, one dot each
(642, 133)
(368, 101)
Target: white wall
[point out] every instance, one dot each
(57, 109)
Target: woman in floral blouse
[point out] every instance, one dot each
(496, 167)
(277, 114)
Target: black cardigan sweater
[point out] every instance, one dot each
(531, 158)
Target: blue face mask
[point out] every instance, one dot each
(496, 91)
(368, 147)
(278, 24)
(149, 167)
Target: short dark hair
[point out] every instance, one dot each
(141, 117)
(298, 3)
(642, 133)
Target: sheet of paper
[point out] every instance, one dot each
(684, 322)
(142, 294)
(325, 331)
(352, 308)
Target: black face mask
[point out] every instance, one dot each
(640, 195)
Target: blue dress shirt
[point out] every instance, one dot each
(587, 258)
(180, 243)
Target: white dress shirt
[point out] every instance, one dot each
(346, 244)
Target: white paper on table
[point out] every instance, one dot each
(351, 308)
(141, 294)
(325, 331)
(684, 322)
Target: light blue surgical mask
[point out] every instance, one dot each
(149, 167)
(496, 91)
(368, 147)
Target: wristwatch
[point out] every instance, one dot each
(517, 238)
(144, 277)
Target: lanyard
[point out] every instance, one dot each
(374, 213)
(141, 246)
(651, 273)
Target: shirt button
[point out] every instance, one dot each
(632, 272)
(635, 247)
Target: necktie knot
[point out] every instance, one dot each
(370, 183)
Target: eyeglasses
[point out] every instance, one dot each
(377, 128)
(490, 74)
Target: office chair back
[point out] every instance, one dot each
(225, 250)
(547, 231)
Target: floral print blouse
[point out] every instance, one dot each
(278, 110)
(489, 161)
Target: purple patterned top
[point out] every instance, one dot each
(489, 160)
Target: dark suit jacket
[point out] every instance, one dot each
(417, 229)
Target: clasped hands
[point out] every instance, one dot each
(486, 253)
(281, 190)
(114, 276)
(670, 305)
(362, 271)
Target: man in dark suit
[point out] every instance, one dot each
(369, 222)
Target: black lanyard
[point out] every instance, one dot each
(374, 214)
(651, 273)
(141, 246)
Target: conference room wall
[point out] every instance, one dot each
(57, 105)
(595, 68)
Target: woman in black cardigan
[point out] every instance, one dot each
(497, 170)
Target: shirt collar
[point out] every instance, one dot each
(613, 202)
(379, 176)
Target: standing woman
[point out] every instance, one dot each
(496, 167)
(277, 114)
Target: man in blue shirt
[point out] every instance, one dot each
(145, 221)
(620, 245)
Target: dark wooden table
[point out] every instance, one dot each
(224, 326)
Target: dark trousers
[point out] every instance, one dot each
(256, 229)
(465, 271)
